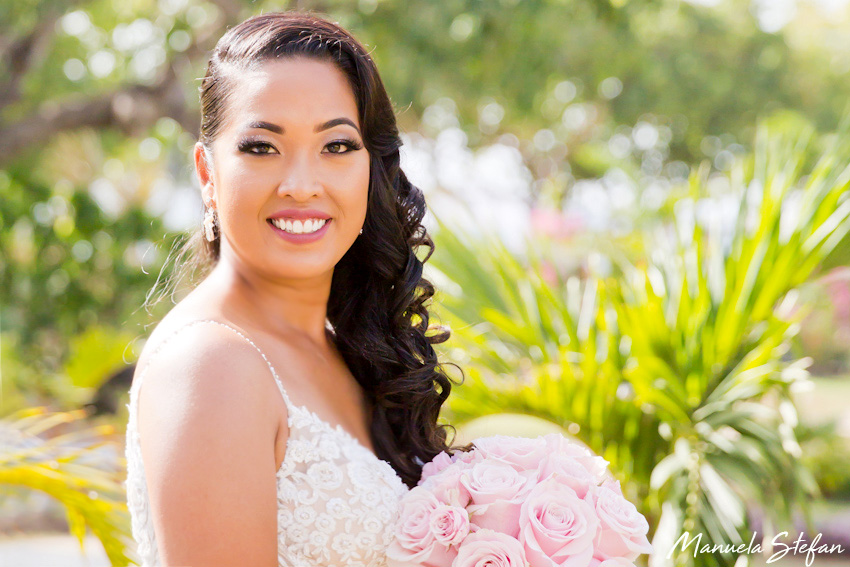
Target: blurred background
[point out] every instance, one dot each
(640, 210)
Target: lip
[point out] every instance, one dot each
(300, 214)
(301, 238)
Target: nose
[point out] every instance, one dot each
(299, 178)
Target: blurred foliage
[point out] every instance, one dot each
(80, 467)
(825, 332)
(825, 453)
(68, 271)
(674, 369)
(94, 355)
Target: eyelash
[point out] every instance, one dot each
(248, 143)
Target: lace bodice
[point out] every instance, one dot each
(337, 501)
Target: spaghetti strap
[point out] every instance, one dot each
(283, 393)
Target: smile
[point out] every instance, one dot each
(306, 226)
(298, 231)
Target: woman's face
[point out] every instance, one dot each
(290, 147)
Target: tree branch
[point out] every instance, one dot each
(22, 54)
(132, 109)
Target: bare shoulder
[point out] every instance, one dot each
(174, 327)
(200, 364)
(207, 430)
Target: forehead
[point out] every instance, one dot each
(291, 91)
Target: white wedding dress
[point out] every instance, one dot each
(337, 501)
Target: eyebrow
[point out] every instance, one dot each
(324, 126)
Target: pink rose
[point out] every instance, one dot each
(622, 528)
(615, 562)
(497, 491)
(468, 462)
(568, 470)
(437, 464)
(556, 527)
(490, 481)
(519, 452)
(467, 456)
(446, 486)
(414, 544)
(488, 548)
(449, 524)
(596, 465)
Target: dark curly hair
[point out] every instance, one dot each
(378, 293)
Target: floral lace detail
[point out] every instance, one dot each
(337, 501)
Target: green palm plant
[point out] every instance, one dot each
(77, 468)
(674, 368)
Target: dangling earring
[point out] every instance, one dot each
(361, 231)
(209, 224)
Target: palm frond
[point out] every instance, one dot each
(81, 469)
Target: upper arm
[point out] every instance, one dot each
(207, 431)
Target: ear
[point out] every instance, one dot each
(203, 168)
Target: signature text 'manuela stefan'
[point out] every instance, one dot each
(800, 546)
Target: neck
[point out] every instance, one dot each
(295, 308)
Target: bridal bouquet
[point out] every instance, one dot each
(516, 502)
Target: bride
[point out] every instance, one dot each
(291, 398)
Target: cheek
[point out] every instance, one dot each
(362, 183)
(241, 181)
(241, 177)
(353, 188)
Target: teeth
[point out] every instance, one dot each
(300, 227)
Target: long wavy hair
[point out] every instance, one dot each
(377, 305)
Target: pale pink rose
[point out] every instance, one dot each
(490, 481)
(468, 457)
(468, 460)
(615, 562)
(414, 544)
(568, 470)
(489, 548)
(446, 486)
(521, 453)
(596, 465)
(556, 527)
(462, 455)
(436, 465)
(497, 492)
(449, 524)
(623, 529)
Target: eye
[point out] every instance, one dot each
(352, 146)
(247, 145)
